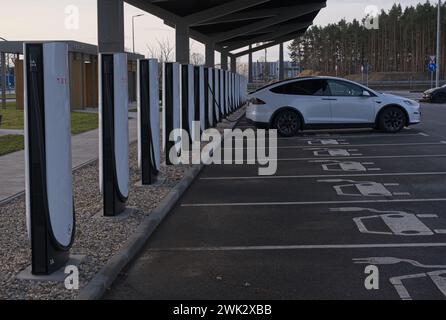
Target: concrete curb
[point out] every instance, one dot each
(103, 280)
(106, 276)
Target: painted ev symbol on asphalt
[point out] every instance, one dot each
(437, 277)
(348, 166)
(364, 188)
(324, 152)
(398, 223)
(328, 142)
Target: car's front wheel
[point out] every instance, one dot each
(392, 120)
(287, 123)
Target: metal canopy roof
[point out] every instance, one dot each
(235, 24)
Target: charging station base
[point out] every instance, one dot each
(57, 276)
(124, 215)
(159, 182)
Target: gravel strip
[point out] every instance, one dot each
(96, 237)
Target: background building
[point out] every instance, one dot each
(83, 66)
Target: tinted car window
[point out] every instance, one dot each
(344, 89)
(315, 87)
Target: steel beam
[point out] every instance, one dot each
(111, 25)
(281, 63)
(224, 60)
(221, 10)
(275, 33)
(250, 70)
(291, 13)
(267, 45)
(210, 55)
(182, 46)
(233, 64)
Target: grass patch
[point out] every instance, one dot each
(11, 118)
(11, 143)
(80, 122)
(83, 122)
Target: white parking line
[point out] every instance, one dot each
(356, 145)
(302, 247)
(300, 203)
(347, 136)
(335, 136)
(328, 176)
(365, 157)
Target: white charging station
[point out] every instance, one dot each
(113, 132)
(49, 196)
(171, 106)
(149, 149)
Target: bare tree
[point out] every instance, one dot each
(163, 50)
(197, 59)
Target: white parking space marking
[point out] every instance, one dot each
(375, 145)
(306, 203)
(367, 157)
(301, 247)
(324, 152)
(327, 142)
(358, 136)
(394, 260)
(364, 188)
(398, 223)
(359, 175)
(437, 277)
(345, 166)
(357, 145)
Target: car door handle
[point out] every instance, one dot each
(329, 99)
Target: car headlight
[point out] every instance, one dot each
(410, 102)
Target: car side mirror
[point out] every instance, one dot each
(365, 93)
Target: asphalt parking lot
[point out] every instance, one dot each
(341, 200)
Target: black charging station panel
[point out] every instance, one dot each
(114, 199)
(148, 124)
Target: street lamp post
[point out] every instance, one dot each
(437, 74)
(133, 29)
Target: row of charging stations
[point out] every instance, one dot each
(197, 93)
(190, 94)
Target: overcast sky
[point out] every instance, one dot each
(45, 20)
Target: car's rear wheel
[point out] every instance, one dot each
(392, 120)
(287, 123)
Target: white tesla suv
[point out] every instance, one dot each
(328, 103)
